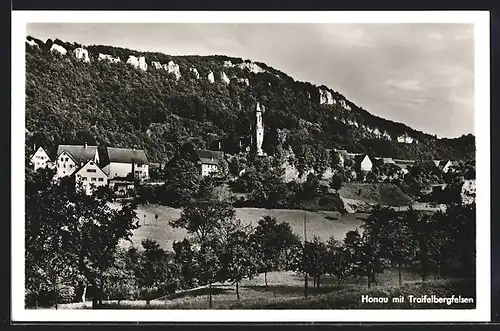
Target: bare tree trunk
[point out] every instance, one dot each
(56, 292)
(210, 294)
(84, 292)
(305, 285)
(318, 280)
(369, 280)
(237, 291)
(399, 273)
(265, 277)
(314, 281)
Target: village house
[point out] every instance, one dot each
(40, 159)
(121, 163)
(71, 157)
(445, 165)
(362, 162)
(387, 160)
(404, 165)
(90, 177)
(121, 188)
(207, 161)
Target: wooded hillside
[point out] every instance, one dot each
(72, 102)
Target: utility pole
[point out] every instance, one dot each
(305, 250)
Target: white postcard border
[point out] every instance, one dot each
(482, 126)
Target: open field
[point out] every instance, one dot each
(321, 224)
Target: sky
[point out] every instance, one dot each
(418, 74)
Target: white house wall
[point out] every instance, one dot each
(206, 169)
(65, 165)
(119, 169)
(89, 175)
(366, 164)
(40, 159)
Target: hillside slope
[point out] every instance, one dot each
(358, 197)
(199, 99)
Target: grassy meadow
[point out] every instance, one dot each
(322, 223)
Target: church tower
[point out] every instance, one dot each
(259, 129)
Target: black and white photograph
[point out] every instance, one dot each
(324, 167)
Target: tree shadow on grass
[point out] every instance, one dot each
(285, 290)
(331, 218)
(199, 292)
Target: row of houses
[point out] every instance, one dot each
(365, 163)
(118, 168)
(121, 168)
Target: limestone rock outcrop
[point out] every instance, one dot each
(32, 43)
(156, 64)
(59, 49)
(211, 77)
(224, 78)
(325, 97)
(82, 54)
(109, 58)
(195, 72)
(174, 69)
(138, 62)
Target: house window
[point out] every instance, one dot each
(64, 172)
(84, 179)
(101, 179)
(64, 165)
(91, 170)
(71, 166)
(62, 159)
(67, 159)
(93, 179)
(139, 165)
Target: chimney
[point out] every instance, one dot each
(34, 147)
(220, 145)
(85, 145)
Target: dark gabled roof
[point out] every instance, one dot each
(79, 153)
(123, 155)
(401, 161)
(208, 157)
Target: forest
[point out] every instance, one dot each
(69, 101)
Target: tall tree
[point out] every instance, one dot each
(202, 219)
(272, 240)
(182, 181)
(338, 262)
(336, 183)
(80, 231)
(421, 227)
(236, 255)
(154, 270)
(399, 246)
